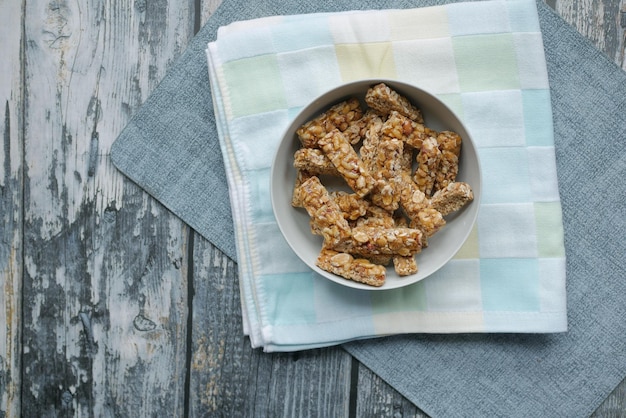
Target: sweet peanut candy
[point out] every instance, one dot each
(384, 99)
(429, 221)
(427, 164)
(450, 147)
(452, 198)
(404, 265)
(366, 241)
(377, 217)
(357, 129)
(369, 147)
(344, 157)
(340, 116)
(325, 213)
(356, 269)
(314, 161)
(389, 165)
(352, 206)
(411, 132)
(301, 177)
(412, 199)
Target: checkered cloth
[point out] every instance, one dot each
(485, 61)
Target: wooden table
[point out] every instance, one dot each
(113, 306)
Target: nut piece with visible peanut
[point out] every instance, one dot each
(340, 116)
(383, 99)
(370, 240)
(427, 164)
(325, 213)
(356, 269)
(340, 152)
(452, 198)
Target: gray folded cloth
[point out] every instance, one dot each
(170, 148)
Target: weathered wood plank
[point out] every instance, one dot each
(602, 21)
(105, 286)
(229, 378)
(11, 101)
(377, 398)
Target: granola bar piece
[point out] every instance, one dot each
(427, 165)
(452, 198)
(366, 241)
(314, 161)
(340, 116)
(351, 205)
(450, 147)
(384, 99)
(325, 212)
(345, 158)
(356, 269)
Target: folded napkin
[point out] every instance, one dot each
(486, 61)
(173, 153)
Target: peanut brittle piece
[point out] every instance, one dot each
(450, 147)
(369, 147)
(367, 240)
(452, 198)
(404, 265)
(428, 161)
(314, 161)
(410, 132)
(412, 199)
(345, 158)
(384, 99)
(388, 166)
(324, 211)
(352, 206)
(356, 269)
(340, 116)
(301, 177)
(429, 221)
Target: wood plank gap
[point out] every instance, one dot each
(197, 16)
(21, 132)
(189, 348)
(354, 385)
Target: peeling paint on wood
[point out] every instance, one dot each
(11, 209)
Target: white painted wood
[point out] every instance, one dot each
(105, 285)
(11, 101)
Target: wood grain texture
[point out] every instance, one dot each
(377, 398)
(603, 22)
(105, 312)
(229, 378)
(11, 209)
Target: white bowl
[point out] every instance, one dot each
(294, 222)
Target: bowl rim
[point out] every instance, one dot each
(318, 105)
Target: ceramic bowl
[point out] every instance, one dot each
(294, 222)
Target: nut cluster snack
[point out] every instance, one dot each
(402, 177)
